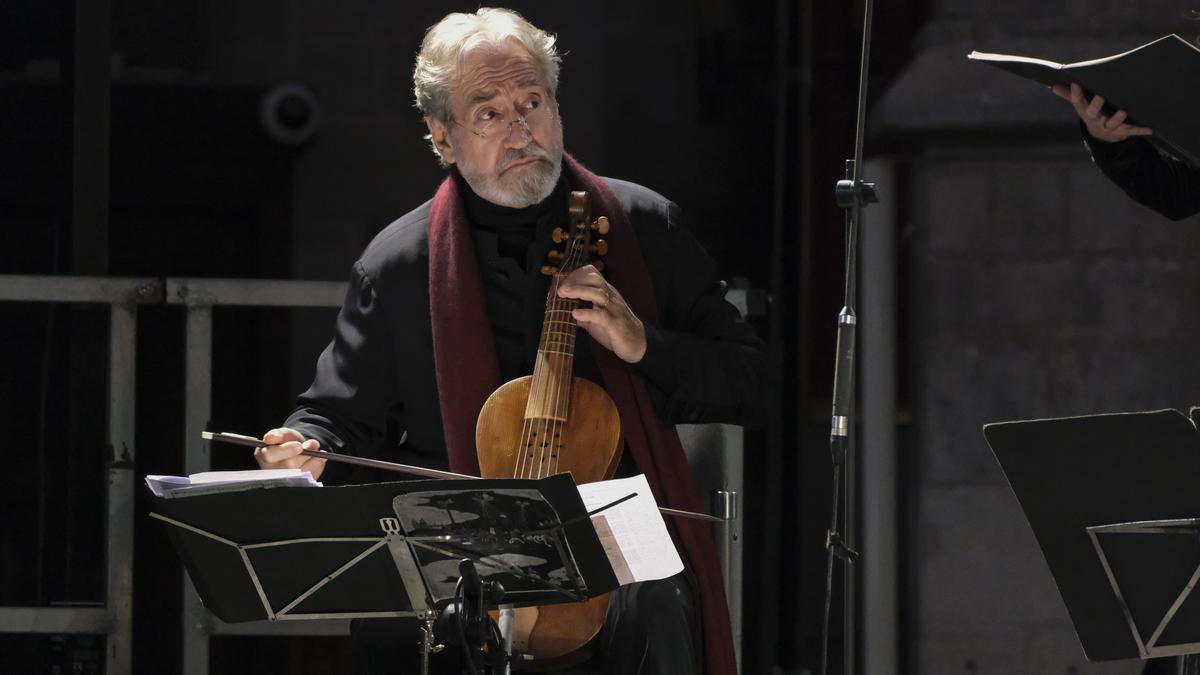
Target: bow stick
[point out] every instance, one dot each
(252, 442)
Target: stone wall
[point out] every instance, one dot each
(1038, 290)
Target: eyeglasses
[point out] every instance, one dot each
(492, 123)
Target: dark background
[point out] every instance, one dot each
(131, 145)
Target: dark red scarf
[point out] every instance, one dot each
(468, 372)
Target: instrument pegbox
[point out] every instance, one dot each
(580, 247)
(598, 247)
(555, 264)
(554, 255)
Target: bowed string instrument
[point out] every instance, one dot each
(552, 422)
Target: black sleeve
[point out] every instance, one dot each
(1168, 185)
(703, 361)
(347, 406)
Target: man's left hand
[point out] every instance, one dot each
(609, 320)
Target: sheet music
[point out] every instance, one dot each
(633, 533)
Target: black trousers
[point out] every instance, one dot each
(652, 628)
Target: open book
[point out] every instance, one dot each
(1157, 84)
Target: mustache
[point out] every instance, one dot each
(514, 154)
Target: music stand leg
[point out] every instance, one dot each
(427, 646)
(507, 624)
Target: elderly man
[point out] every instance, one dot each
(446, 304)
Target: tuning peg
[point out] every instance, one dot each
(549, 270)
(601, 225)
(598, 264)
(600, 247)
(556, 255)
(559, 235)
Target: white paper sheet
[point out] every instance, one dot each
(223, 481)
(633, 533)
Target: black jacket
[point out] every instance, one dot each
(1168, 185)
(375, 392)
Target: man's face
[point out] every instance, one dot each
(506, 136)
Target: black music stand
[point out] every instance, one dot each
(384, 550)
(1114, 503)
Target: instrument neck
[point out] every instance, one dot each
(550, 391)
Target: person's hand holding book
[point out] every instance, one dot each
(1110, 129)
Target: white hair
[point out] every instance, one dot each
(448, 42)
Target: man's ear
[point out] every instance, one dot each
(439, 135)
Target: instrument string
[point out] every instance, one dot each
(549, 363)
(569, 335)
(563, 397)
(558, 337)
(522, 451)
(527, 466)
(553, 368)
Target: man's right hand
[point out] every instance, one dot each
(1112, 129)
(283, 452)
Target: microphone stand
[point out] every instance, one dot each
(851, 194)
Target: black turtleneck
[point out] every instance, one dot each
(512, 246)
(512, 231)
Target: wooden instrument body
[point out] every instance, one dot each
(588, 447)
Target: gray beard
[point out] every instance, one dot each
(531, 185)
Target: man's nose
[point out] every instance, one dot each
(518, 134)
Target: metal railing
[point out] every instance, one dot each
(715, 452)
(115, 618)
(199, 296)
